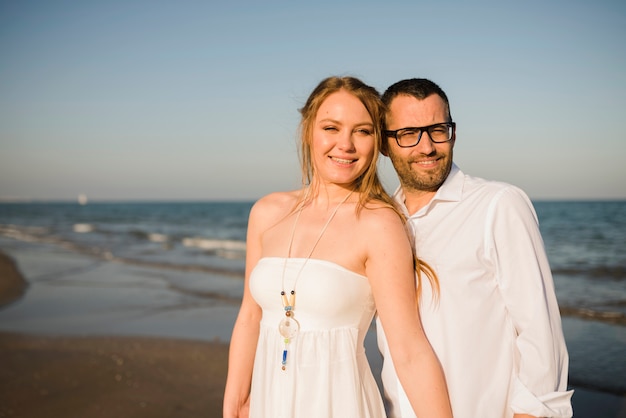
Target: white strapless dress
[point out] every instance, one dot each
(327, 373)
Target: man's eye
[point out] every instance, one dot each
(409, 132)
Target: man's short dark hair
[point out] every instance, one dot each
(420, 88)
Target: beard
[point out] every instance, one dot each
(414, 179)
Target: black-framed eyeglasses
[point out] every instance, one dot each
(410, 137)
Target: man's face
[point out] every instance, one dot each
(424, 167)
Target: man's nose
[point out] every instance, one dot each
(426, 144)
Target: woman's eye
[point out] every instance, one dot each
(330, 128)
(364, 131)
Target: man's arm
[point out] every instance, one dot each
(525, 282)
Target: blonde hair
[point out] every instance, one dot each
(368, 185)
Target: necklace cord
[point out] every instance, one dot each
(293, 233)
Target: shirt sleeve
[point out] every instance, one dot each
(524, 278)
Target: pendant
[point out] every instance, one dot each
(288, 327)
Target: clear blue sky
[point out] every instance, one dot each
(198, 99)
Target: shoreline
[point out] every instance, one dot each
(95, 374)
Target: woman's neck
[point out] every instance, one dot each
(328, 194)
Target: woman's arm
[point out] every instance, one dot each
(389, 268)
(245, 334)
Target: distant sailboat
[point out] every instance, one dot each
(82, 199)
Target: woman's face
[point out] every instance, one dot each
(343, 139)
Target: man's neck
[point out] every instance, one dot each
(415, 200)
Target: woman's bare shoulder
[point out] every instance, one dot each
(378, 214)
(277, 200)
(381, 225)
(274, 206)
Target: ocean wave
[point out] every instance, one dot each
(27, 233)
(214, 244)
(225, 248)
(42, 235)
(154, 237)
(595, 314)
(605, 272)
(23, 233)
(83, 228)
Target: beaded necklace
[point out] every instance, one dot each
(289, 326)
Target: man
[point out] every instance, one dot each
(494, 322)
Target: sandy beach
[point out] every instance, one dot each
(135, 350)
(110, 377)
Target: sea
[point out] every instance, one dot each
(585, 242)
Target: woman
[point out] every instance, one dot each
(320, 261)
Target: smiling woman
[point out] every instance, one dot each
(296, 350)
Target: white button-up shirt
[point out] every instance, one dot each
(495, 326)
